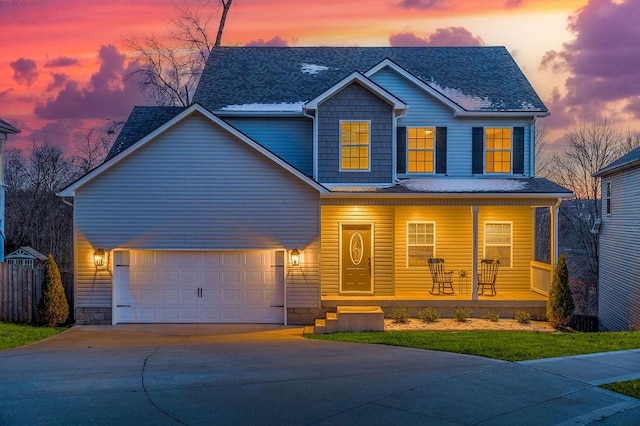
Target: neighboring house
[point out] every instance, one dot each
(5, 129)
(619, 251)
(307, 178)
(27, 256)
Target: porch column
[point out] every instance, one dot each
(474, 255)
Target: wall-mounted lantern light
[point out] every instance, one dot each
(294, 257)
(99, 258)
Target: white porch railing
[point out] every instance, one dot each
(540, 274)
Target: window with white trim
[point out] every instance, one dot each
(421, 243)
(421, 143)
(498, 242)
(608, 197)
(497, 152)
(354, 145)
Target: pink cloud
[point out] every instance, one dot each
(424, 4)
(451, 36)
(512, 4)
(25, 71)
(107, 95)
(59, 79)
(62, 61)
(276, 41)
(603, 60)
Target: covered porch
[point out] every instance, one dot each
(397, 236)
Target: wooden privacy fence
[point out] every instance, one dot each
(20, 291)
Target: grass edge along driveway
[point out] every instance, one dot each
(15, 335)
(504, 345)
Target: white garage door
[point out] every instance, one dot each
(199, 287)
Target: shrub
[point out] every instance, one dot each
(53, 307)
(523, 317)
(461, 314)
(560, 305)
(428, 315)
(400, 315)
(491, 316)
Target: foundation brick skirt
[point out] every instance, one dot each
(93, 316)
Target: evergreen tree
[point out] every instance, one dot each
(560, 305)
(53, 306)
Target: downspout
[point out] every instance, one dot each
(69, 203)
(314, 142)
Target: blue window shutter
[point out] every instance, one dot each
(401, 141)
(518, 150)
(477, 150)
(441, 150)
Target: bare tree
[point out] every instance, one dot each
(172, 64)
(96, 145)
(34, 215)
(590, 147)
(542, 157)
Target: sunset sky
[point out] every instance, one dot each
(63, 61)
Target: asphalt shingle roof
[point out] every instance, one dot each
(142, 121)
(273, 75)
(622, 162)
(7, 128)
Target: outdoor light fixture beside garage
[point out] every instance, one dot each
(99, 257)
(294, 257)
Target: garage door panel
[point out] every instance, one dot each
(201, 287)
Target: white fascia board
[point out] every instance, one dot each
(398, 105)
(502, 114)
(415, 80)
(226, 113)
(71, 189)
(449, 195)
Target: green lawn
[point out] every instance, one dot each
(630, 388)
(505, 345)
(14, 335)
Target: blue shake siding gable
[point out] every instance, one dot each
(355, 102)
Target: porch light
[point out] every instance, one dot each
(99, 257)
(294, 257)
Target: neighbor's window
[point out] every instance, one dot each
(421, 243)
(608, 197)
(421, 149)
(497, 142)
(354, 145)
(498, 242)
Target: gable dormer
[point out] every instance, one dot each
(354, 132)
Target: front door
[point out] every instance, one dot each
(356, 259)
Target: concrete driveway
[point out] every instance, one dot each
(239, 374)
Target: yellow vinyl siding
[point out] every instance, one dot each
(382, 220)
(515, 277)
(453, 243)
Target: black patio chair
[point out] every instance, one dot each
(487, 275)
(442, 279)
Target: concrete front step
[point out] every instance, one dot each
(351, 318)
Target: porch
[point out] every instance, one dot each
(506, 303)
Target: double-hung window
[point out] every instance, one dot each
(355, 145)
(421, 149)
(607, 197)
(497, 149)
(498, 242)
(421, 243)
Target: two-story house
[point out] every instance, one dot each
(306, 178)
